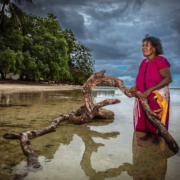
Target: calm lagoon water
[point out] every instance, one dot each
(106, 149)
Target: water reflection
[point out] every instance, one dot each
(101, 93)
(109, 91)
(80, 152)
(149, 158)
(64, 136)
(149, 161)
(21, 112)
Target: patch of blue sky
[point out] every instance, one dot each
(175, 76)
(178, 62)
(128, 78)
(121, 67)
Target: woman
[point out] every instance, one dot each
(152, 81)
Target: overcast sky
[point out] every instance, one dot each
(114, 30)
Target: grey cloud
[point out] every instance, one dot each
(171, 47)
(105, 52)
(138, 4)
(99, 14)
(175, 23)
(175, 83)
(175, 68)
(70, 19)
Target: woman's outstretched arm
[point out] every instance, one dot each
(133, 89)
(167, 79)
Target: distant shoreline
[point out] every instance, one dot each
(11, 86)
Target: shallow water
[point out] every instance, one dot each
(107, 149)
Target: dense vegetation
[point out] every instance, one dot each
(39, 48)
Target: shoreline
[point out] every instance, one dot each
(8, 87)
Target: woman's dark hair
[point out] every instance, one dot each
(156, 43)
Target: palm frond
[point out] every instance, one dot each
(14, 14)
(4, 1)
(19, 13)
(2, 12)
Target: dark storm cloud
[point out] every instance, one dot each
(175, 68)
(107, 52)
(103, 15)
(175, 23)
(114, 29)
(138, 4)
(71, 20)
(69, 12)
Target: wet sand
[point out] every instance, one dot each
(10, 86)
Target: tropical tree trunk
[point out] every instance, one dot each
(21, 77)
(2, 13)
(2, 75)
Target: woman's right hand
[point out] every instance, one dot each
(133, 90)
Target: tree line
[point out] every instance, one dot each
(39, 48)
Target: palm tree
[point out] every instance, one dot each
(4, 2)
(16, 13)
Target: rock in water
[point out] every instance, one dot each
(109, 114)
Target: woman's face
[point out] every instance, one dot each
(148, 49)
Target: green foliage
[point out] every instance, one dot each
(11, 43)
(43, 69)
(30, 66)
(19, 63)
(43, 50)
(70, 39)
(46, 43)
(81, 64)
(11, 61)
(10, 37)
(7, 60)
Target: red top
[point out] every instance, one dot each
(148, 75)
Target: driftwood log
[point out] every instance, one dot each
(85, 114)
(152, 117)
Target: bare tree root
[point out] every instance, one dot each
(99, 77)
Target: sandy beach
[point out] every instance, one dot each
(11, 86)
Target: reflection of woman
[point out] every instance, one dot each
(152, 81)
(149, 161)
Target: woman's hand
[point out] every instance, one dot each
(144, 95)
(133, 90)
